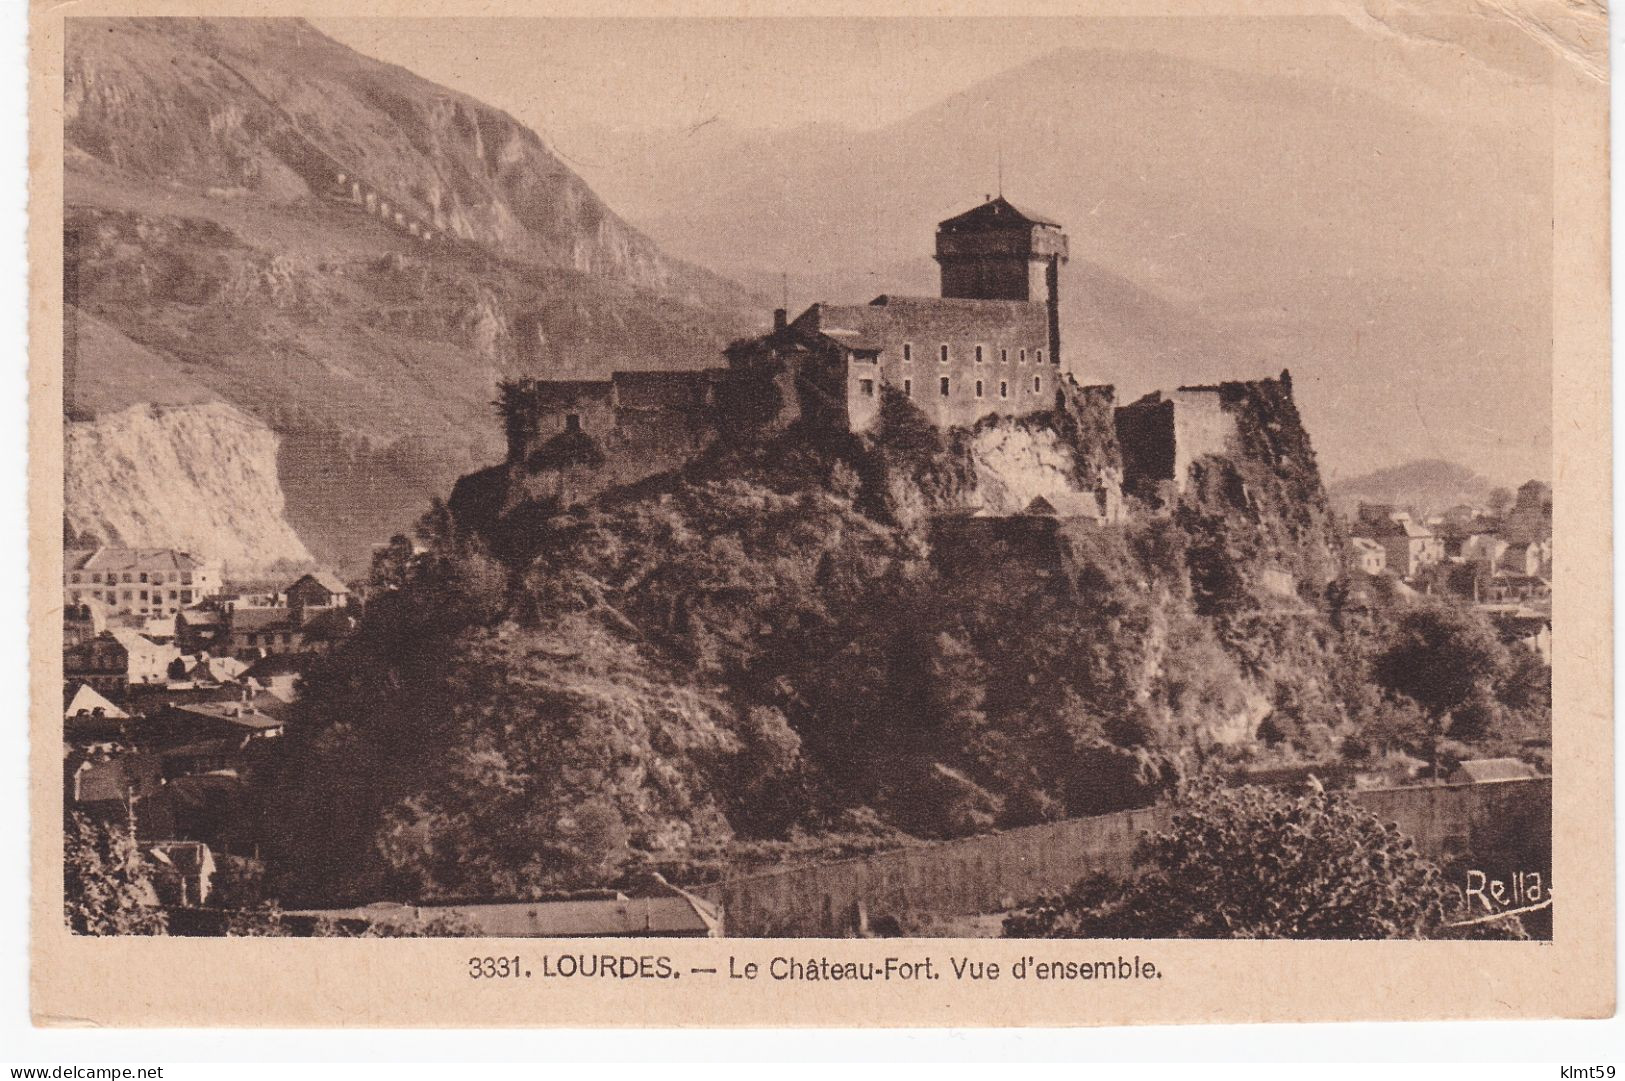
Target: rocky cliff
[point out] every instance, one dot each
(202, 478)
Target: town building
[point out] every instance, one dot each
(1508, 588)
(1526, 627)
(318, 589)
(182, 872)
(199, 630)
(1409, 546)
(1485, 549)
(113, 784)
(90, 717)
(246, 717)
(141, 582)
(254, 632)
(1531, 558)
(1365, 556)
(116, 660)
(83, 621)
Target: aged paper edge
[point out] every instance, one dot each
(291, 982)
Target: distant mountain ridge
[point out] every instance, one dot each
(1428, 487)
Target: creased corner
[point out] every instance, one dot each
(1573, 31)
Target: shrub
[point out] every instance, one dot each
(1256, 863)
(108, 890)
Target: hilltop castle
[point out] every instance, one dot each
(989, 346)
(991, 343)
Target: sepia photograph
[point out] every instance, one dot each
(624, 503)
(1087, 481)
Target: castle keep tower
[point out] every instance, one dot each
(998, 251)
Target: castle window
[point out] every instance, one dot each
(943, 385)
(978, 388)
(1004, 389)
(572, 422)
(908, 352)
(1038, 384)
(1004, 356)
(1038, 356)
(1021, 358)
(978, 354)
(866, 387)
(944, 354)
(908, 388)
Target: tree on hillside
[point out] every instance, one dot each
(517, 405)
(392, 563)
(1446, 660)
(108, 890)
(1500, 500)
(1258, 863)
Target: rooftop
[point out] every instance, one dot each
(247, 715)
(86, 700)
(326, 579)
(997, 212)
(1494, 769)
(132, 559)
(889, 320)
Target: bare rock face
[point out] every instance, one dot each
(1016, 464)
(201, 478)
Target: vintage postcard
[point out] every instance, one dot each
(583, 515)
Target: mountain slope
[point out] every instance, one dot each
(213, 253)
(1427, 486)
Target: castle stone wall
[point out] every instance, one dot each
(1202, 426)
(1507, 825)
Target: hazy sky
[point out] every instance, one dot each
(648, 74)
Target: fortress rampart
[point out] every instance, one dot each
(1506, 825)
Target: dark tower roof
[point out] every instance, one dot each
(996, 213)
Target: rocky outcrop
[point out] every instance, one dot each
(202, 478)
(1067, 457)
